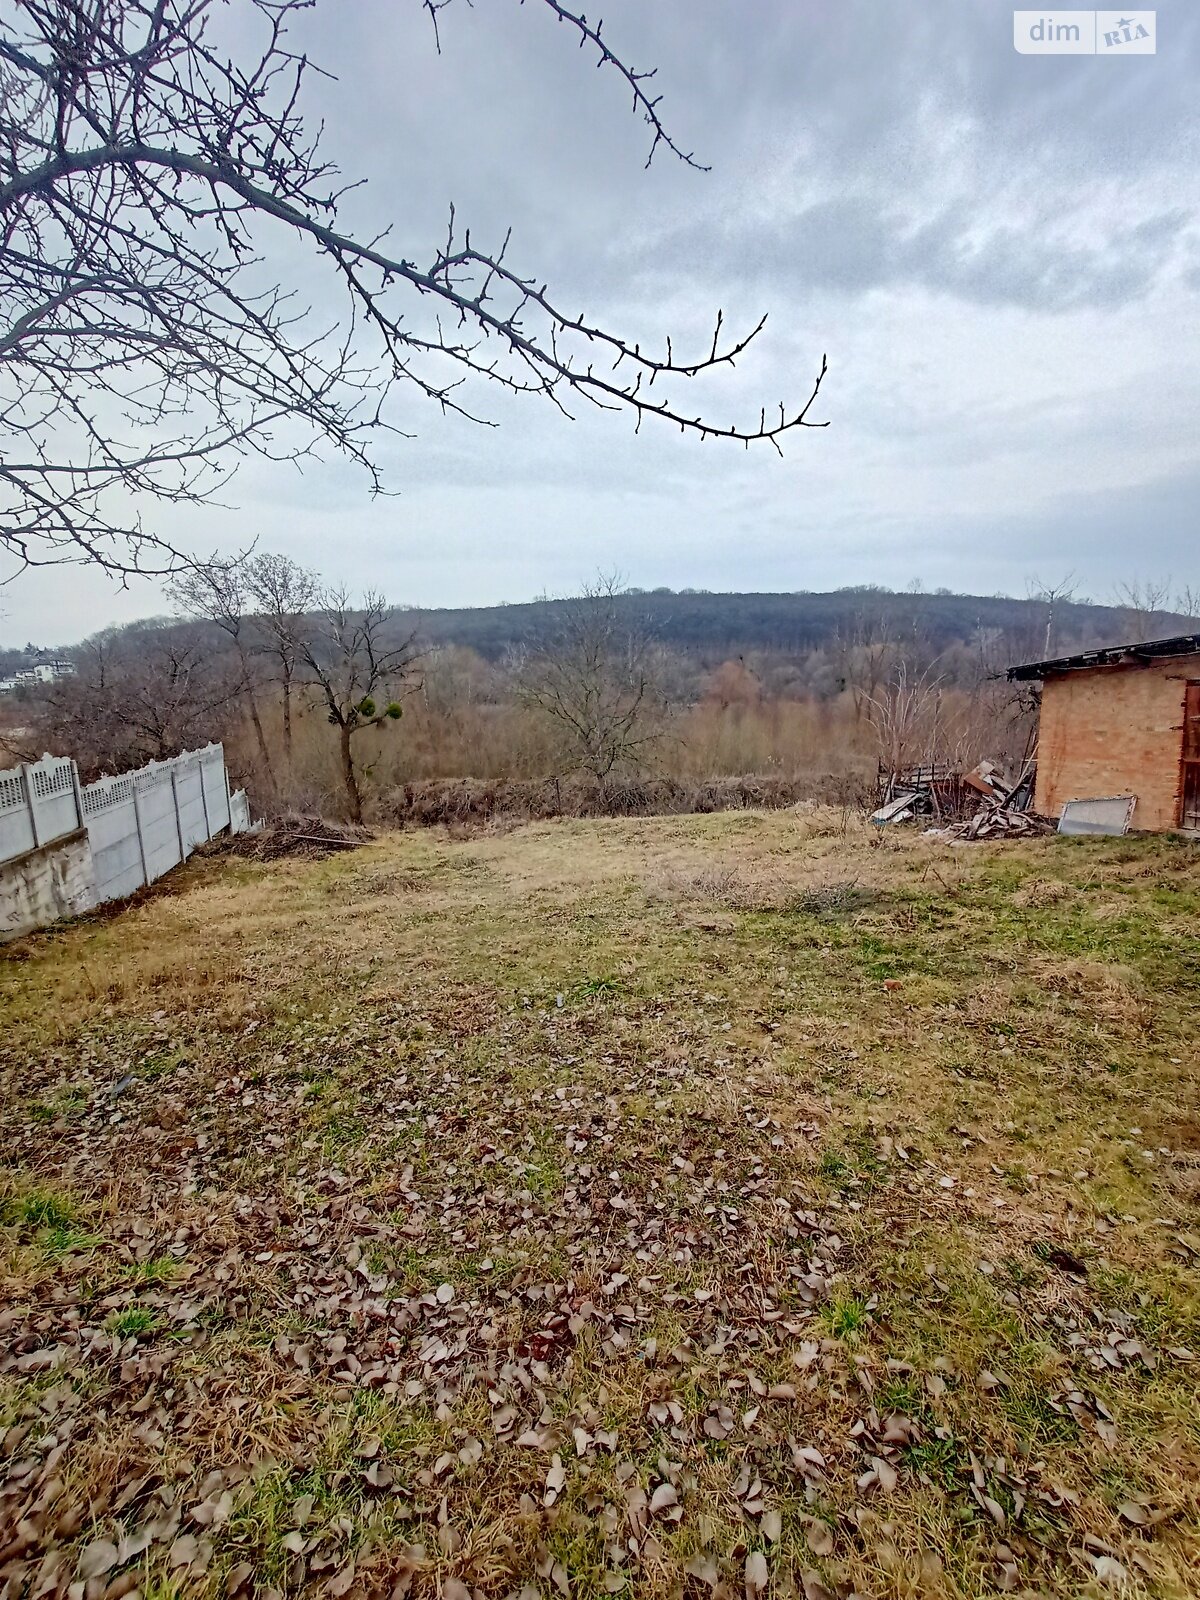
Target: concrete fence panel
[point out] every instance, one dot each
(16, 818)
(110, 816)
(53, 789)
(215, 786)
(189, 802)
(239, 812)
(138, 825)
(158, 818)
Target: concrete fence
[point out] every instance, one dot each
(134, 827)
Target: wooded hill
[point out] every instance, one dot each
(716, 626)
(711, 627)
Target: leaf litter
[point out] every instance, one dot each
(451, 1292)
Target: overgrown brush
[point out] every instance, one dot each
(465, 801)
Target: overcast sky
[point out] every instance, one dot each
(999, 253)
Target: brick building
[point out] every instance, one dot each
(1122, 721)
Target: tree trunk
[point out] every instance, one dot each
(256, 720)
(260, 737)
(287, 717)
(348, 776)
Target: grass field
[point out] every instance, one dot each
(737, 1205)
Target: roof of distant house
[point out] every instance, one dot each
(1116, 655)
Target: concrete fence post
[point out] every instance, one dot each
(178, 819)
(137, 828)
(31, 803)
(204, 800)
(77, 789)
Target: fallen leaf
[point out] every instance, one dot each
(449, 1539)
(820, 1537)
(184, 1550)
(665, 1495)
(993, 1508)
(99, 1558)
(1110, 1571)
(703, 1567)
(757, 1574)
(556, 1478)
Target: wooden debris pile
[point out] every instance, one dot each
(981, 804)
(310, 837)
(988, 780)
(995, 822)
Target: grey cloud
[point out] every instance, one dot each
(853, 244)
(1103, 535)
(856, 147)
(1028, 267)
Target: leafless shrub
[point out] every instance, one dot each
(217, 593)
(593, 680)
(831, 899)
(283, 593)
(478, 801)
(712, 885)
(140, 695)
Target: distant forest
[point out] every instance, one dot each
(350, 705)
(712, 627)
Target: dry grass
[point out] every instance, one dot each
(706, 1205)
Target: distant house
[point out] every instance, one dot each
(41, 672)
(1122, 721)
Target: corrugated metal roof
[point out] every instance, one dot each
(1183, 644)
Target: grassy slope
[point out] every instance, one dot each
(677, 1205)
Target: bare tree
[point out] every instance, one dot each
(218, 592)
(138, 694)
(593, 679)
(1053, 597)
(1146, 606)
(865, 648)
(356, 675)
(283, 593)
(143, 352)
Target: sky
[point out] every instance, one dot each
(998, 253)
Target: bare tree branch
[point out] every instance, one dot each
(283, 593)
(145, 349)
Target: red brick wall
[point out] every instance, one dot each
(1114, 730)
